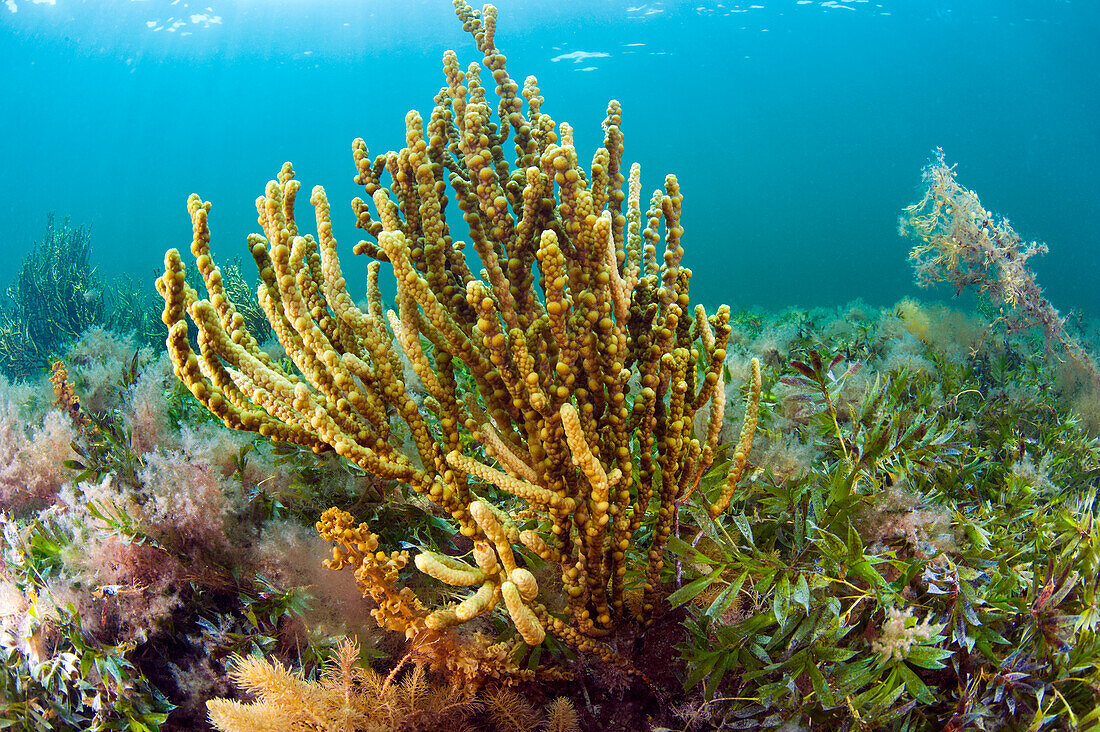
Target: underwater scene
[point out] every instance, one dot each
(379, 365)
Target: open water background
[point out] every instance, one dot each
(798, 129)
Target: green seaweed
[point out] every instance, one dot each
(807, 607)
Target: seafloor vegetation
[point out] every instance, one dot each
(943, 572)
(851, 519)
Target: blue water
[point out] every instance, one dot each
(798, 130)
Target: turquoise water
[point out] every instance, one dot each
(797, 129)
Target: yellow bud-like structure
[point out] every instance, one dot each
(526, 623)
(525, 582)
(744, 443)
(491, 524)
(448, 569)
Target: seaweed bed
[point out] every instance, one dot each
(953, 583)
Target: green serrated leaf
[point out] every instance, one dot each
(927, 657)
(800, 510)
(821, 688)
(445, 526)
(893, 713)
(780, 599)
(764, 582)
(716, 675)
(914, 685)
(818, 505)
(692, 589)
(833, 655)
(855, 546)
(681, 548)
(830, 544)
(700, 669)
(742, 523)
(726, 598)
(865, 571)
(533, 659)
(801, 593)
